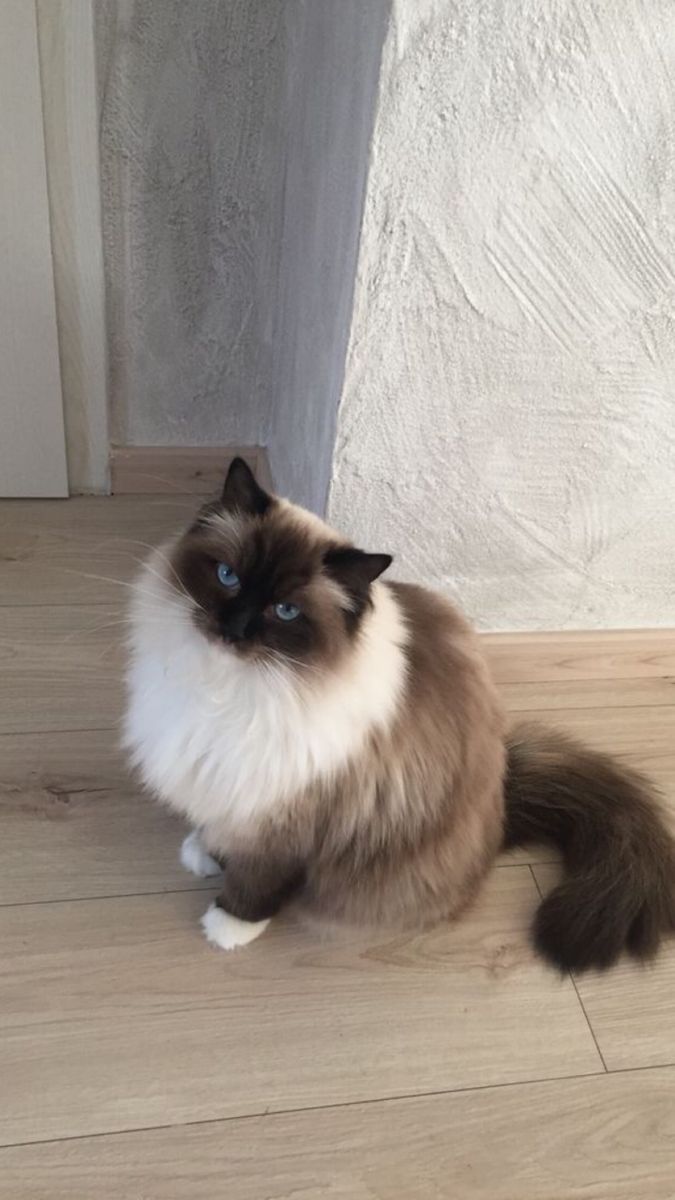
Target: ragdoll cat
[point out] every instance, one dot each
(338, 747)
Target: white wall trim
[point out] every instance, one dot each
(70, 108)
(32, 446)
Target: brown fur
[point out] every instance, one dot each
(416, 823)
(619, 889)
(279, 558)
(404, 833)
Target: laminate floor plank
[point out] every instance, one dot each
(116, 1013)
(83, 550)
(630, 1009)
(137, 1061)
(609, 1137)
(79, 760)
(77, 845)
(62, 668)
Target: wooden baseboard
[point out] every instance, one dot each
(179, 470)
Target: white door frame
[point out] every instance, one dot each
(70, 104)
(53, 370)
(32, 441)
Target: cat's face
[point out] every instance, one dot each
(270, 581)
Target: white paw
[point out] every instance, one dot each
(228, 932)
(194, 858)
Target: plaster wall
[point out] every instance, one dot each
(234, 144)
(507, 423)
(192, 126)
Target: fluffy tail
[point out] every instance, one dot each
(618, 890)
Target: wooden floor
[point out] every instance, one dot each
(135, 1061)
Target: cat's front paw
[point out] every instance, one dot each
(228, 932)
(194, 857)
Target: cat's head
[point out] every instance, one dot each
(269, 581)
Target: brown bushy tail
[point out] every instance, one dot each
(618, 890)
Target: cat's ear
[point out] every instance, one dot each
(355, 569)
(242, 492)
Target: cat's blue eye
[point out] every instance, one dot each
(287, 612)
(227, 576)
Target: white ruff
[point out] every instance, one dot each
(220, 739)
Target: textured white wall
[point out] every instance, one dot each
(333, 50)
(507, 427)
(191, 131)
(235, 140)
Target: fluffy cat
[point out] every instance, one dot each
(338, 746)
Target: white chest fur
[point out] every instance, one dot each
(219, 738)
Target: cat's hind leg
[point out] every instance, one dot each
(196, 859)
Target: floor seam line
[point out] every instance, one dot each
(574, 982)
(110, 896)
(283, 1112)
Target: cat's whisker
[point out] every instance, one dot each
(283, 659)
(181, 590)
(150, 599)
(117, 623)
(158, 550)
(136, 588)
(133, 587)
(144, 563)
(100, 578)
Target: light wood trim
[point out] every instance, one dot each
(179, 470)
(577, 655)
(645, 691)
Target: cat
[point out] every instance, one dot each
(339, 749)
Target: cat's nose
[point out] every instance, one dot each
(234, 629)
